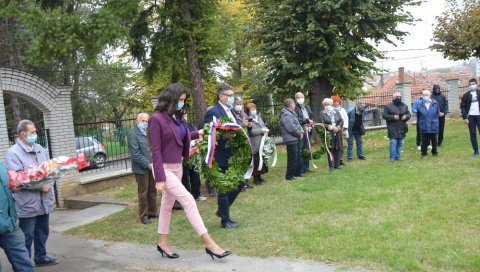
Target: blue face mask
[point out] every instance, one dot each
(230, 101)
(472, 87)
(142, 126)
(253, 113)
(32, 138)
(180, 105)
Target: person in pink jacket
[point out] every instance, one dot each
(170, 142)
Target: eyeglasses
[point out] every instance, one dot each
(229, 95)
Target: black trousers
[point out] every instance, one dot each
(225, 200)
(427, 139)
(419, 134)
(473, 126)
(441, 127)
(336, 158)
(292, 160)
(191, 180)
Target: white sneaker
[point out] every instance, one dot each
(419, 148)
(429, 147)
(201, 198)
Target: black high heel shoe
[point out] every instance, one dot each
(219, 256)
(173, 256)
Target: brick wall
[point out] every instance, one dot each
(55, 103)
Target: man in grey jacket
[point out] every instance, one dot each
(142, 168)
(33, 205)
(292, 132)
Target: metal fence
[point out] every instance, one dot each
(104, 144)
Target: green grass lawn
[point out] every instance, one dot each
(414, 215)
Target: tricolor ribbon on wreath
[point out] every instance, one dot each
(212, 140)
(307, 129)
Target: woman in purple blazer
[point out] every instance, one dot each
(170, 142)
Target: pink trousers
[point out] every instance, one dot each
(174, 190)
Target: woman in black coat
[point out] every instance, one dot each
(332, 121)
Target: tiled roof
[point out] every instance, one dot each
(418, 82)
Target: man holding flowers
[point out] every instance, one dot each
(33, 204)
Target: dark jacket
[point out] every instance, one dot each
(298, 111)
(8, 215)
(165, 143)
(139, 151)
(351, 120)
(442, 102)
(428, 118)
(222, 153)
(397, 129)
(290, 127)
(337, 142)
(466, 102)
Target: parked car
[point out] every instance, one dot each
(93, 149)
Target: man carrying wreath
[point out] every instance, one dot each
(223, 109)
(33, 205)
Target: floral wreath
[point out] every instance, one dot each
(325, 139)
(310, 151)
(239, 162)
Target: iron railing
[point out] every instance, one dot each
(104, 144)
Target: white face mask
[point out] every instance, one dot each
(238, 107)
(328, 108)
(300, 101)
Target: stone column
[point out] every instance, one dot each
(453, 97)
(59, 122)
(4, 145)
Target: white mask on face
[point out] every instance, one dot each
(238, 107)
(328, 108)
(300, 101)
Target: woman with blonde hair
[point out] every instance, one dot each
(333, 123)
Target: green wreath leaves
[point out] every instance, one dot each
(321, 133)
(238, 163)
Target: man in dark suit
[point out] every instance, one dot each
(223, 108)
(443, 106)
(142, 168)
(305, 116)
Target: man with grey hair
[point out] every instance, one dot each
(396, 114)
(292, 133)
(222, 109)
(33, 205)
(141, 158)
(305, 116)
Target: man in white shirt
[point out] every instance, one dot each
(470, 109)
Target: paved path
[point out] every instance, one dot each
(77, 254)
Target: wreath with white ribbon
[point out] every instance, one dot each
(240, 162)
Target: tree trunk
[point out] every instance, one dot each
(321, 88)
(195, 72)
